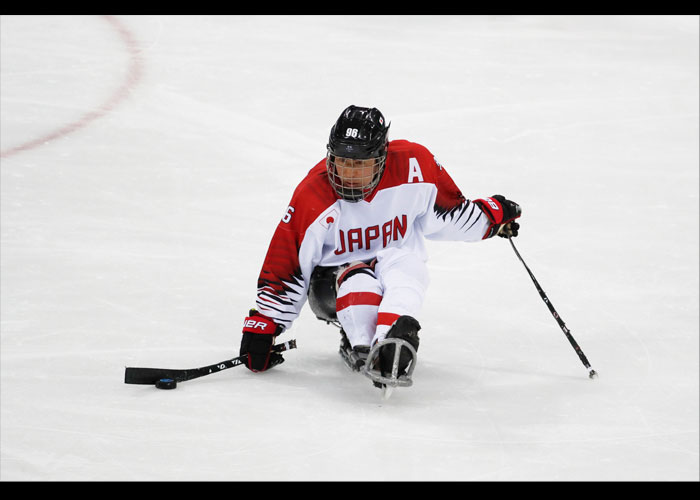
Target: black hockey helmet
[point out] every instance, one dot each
(358, 134)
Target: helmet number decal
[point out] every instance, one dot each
(351, 132)
(288, 214)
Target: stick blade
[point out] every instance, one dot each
(149, 376)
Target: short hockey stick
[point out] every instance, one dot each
(591, 372)
(150, 376)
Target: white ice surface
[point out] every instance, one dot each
(135, 235)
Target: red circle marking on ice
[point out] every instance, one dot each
(132, 78)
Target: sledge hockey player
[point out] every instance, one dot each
(352, 242)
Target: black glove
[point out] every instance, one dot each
(259, 333)
(502, 213)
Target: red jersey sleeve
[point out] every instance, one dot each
(284, 277)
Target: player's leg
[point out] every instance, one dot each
(403, 276)
(358, 297)
(404, 279)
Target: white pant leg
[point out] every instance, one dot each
(404, 279)
(357, 304)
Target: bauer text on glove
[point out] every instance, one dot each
(259, 334)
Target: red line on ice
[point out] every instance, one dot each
(133, 76)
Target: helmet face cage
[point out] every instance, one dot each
(357, 150)
(354, 179)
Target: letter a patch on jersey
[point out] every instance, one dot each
(414, 171)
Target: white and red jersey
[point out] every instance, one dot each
(415, 199)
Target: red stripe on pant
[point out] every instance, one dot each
(357, 299)
(386, 318)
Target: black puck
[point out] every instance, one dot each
(166, 383)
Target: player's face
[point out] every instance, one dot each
(354, 179)
(354, 173)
